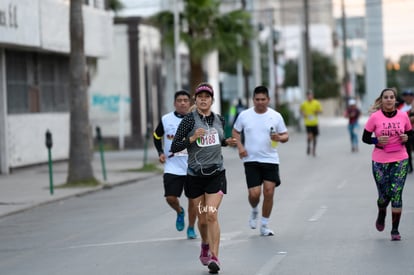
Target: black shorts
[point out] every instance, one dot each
(257, 172)
(174, 184)
(312, 130)
(197, 186)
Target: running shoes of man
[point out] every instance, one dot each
(213, 265)
(395, 235)
(191, 233)
(253, 219)
(265, 231)
(179, 223)
(205, 255)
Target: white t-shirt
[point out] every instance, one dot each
(406, 107)
(176, 164)
(256, 129)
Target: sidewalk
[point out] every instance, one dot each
(26, 188)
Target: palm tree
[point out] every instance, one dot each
(80, 167)
(207, 30)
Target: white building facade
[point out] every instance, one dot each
(34, 70)
(127, 95)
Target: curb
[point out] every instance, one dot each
(87, 191)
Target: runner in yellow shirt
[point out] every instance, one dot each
(310, 109)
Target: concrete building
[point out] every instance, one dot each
(356, 49)
(34, 69)
(127, 93)
(135, 85)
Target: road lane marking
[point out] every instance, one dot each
(124, 242)
(230, 235)
(224, 237)
(342, 184)
(234, 242)
(319, 213)
(269, 266)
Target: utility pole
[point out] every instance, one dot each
(176, 47)
(257, 73)
(307, 56)
(239, 68)
(375, 76)
(344, 52)
(271, 58)
(244, 70)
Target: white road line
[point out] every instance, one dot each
(227, 244)
(124, 242)
(271, 264)
(225, 237)
(230, 235)
(342, 184)
(319, 213)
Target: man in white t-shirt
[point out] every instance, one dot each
(175, 165)
(408, 98)
(263, 129)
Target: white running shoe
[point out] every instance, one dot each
(253, 219)
(265, 231)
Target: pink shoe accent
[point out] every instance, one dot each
(205, 255)
(396, 237)
(380, 227)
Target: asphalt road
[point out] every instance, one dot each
(323, 219)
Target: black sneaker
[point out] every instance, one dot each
(213, 265)
(395, 235)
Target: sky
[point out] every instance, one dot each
(398, 29)
(143, 7)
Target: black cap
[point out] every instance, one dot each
(408, 92)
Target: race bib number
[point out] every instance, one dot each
(209, 139)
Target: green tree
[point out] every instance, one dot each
(80, 167)
(114, 5)
(324, 75)
(405, 74)
(392, 75)
(360, 85)
(204, 29)
(291, 74)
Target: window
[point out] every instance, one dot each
(54, 84)
(37, 82)
(17, 83)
